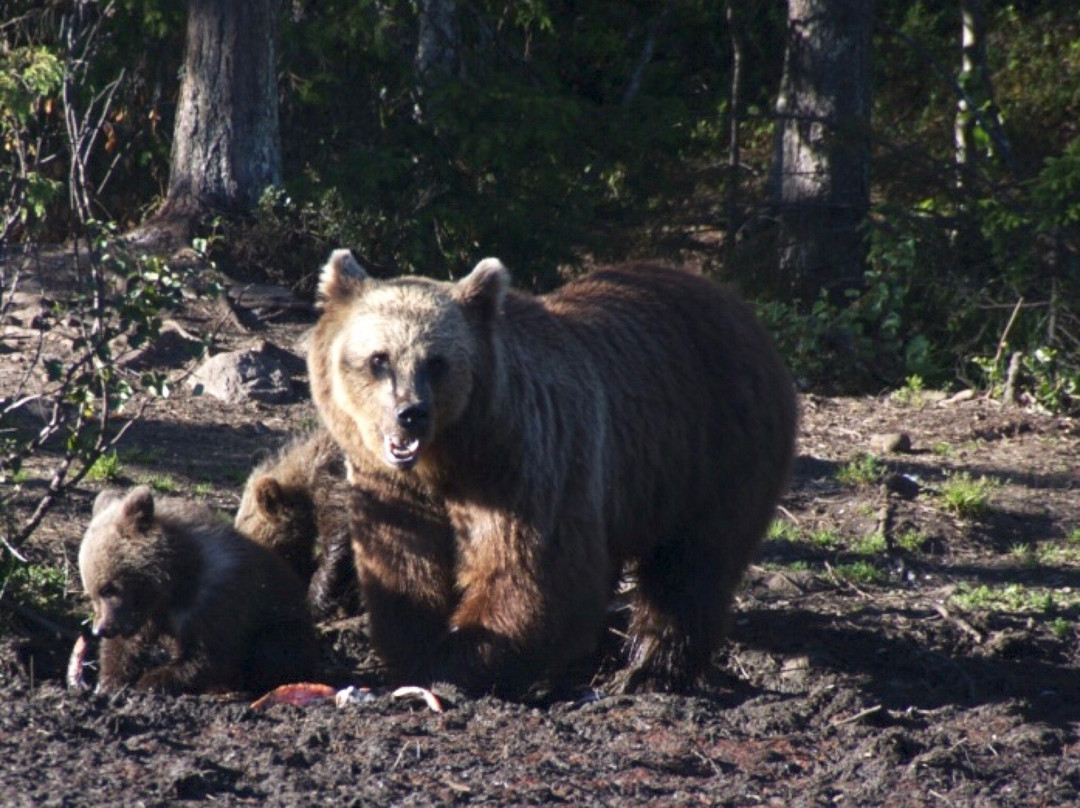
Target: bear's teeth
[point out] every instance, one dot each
(403, 451)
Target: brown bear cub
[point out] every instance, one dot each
(295, 503)
(639, 414)
(230, 613)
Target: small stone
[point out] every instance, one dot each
(890, 443)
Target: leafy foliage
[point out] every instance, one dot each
(114, 310)
(41, 587)
(30, 78)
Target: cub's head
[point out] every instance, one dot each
(281, 516)
(398, 360)
(123, 562)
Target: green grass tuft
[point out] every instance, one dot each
(966, 497)
(107, 468)
(162, 483)
(863, 470)
(782, 530)
(826, 538)
(912, 541)
(859, 572)
(1060, 627)
(871, 544)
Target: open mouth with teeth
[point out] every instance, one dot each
(402, 452)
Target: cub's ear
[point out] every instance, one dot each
(269, 496)
(105, 499)
(139, 507)
(484, 289)
(340, 278)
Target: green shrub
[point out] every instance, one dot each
(36, 585)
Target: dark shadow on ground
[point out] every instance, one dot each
(902, 671)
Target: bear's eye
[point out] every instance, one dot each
(436, 368)
(109, 590)
(379, 364)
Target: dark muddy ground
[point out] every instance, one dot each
(891, 647)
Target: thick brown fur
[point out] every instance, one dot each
(639, 414)
(404, 556)
(168, 572)
(294, 502)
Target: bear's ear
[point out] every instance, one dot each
(269, 496)
(340, 278)
(105, 499)
(484, 289)
(139, 507)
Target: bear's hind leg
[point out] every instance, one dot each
(684, 594)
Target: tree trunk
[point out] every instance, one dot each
(438, 42)
(821, 166)
(226, 147)
(734, 219)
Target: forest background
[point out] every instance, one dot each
(557, 135)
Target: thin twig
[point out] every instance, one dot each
(788, 514)
(1005, 333)
(844, 583)
(859, 716)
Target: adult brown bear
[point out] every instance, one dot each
(639, 414)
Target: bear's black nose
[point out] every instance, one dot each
(413, 417)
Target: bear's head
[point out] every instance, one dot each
(123, 561)
(271, 510)
(280, 504)
(281, 516)
(400, 359)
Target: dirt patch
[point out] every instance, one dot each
(890, 647)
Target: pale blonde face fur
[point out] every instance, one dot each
(401, 344)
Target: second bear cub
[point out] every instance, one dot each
(294, 502)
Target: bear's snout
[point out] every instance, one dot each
(104, 631)
(111, 625)
(414, 418)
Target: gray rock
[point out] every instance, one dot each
(249, 375)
